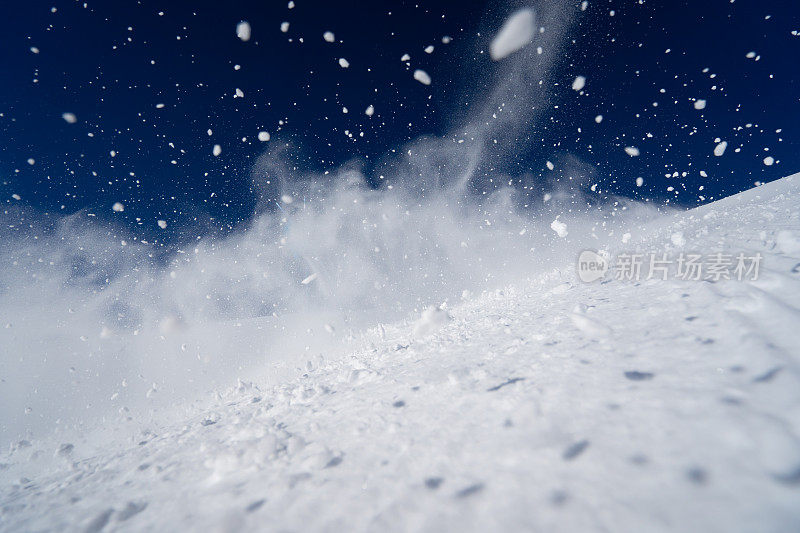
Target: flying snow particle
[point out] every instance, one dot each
(422, 77)
(263, 136)
(516, 33)
(429, 49)
(632, 151)
(447, 39)
(69, 118)
(239, 93)
(216, 150)
(699, 104)
(290, 5)
(16, 196)
(343, 62)
(210, 133)
(284, 27)
(432, 319)
(719, 150)
(243, 30)
(344, 110)
(309, 279)
(579, 83)
(769, 160)
(159, 106)
(598, 119)
(34, 50)
(550, 165)
(31, 161)
(405, 57)
(118, 207)
(370, 111)
(639, 182)
(584, 5)
(162, 224)
(329, 36)
(559, 227)
(287, 199)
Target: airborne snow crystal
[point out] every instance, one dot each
(329, 36)
(70, 118)
(432, 319)
(632, 151)
(559, 227)
(516, 33)
(422, 77)
(243, 30)
(343, 62)
(579, 83)
(719, 150)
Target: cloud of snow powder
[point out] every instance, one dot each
(95, 325)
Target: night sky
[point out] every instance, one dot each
(114, 63)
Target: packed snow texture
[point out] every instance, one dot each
(516, 33)
(548, 404)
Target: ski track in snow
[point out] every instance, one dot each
(614, 406)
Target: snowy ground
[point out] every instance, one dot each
(615, 406)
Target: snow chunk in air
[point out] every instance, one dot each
(243, 30)
(516, 33)
(329, 36)
(422, 77)
(431, 320)
(559, 227)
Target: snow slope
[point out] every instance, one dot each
(615, 406)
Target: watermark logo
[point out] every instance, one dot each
(714, 267)
(591, 266)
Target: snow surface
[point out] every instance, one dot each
(549, 405)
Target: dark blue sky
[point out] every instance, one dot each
(111, 63)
